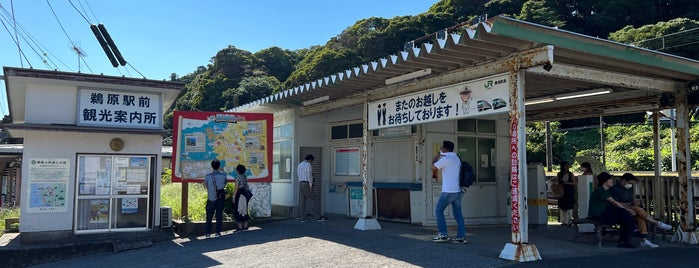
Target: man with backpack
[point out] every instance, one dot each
(450, 164)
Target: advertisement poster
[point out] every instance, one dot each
(479, 97)
(232, 138)
(99, 211)
(48, 180)
(356, 202)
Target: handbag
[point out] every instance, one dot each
(556, 190)
(220, 193)
(247, 193)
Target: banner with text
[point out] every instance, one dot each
(479, 97)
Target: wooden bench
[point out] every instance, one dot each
(601, 229)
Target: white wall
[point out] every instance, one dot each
(55, 144)
(62, 101)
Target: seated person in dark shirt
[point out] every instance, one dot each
(624, 193)
(607, 210)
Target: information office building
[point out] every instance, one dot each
(92, 151)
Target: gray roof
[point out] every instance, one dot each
(636, 76)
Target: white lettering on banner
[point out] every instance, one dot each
(474, 98)
(107, 108)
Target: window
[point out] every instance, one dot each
(113, 192)
(476, 145)
(347, 131)
(282, 151)
(347, 161)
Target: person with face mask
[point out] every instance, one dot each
(624, 193)
(607, 210)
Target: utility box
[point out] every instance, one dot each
(536, 194)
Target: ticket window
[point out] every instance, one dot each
(113, 193)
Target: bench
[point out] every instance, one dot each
(600, 229)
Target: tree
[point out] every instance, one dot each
(536, 11)
(677, 36)
(321, 62)
(250, 89)
(277, 62)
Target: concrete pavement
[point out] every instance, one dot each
(335, 243)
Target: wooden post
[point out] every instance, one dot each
(185, 199)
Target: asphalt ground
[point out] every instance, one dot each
(335, 243)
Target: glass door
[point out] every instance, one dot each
(112, 193)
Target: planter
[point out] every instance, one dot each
(198, 228)
(9, 222)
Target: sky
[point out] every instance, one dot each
(159, 37)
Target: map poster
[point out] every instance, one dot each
(47, 197)
(48, 178)
(232, 138)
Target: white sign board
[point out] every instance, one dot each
(483, 96)
(117, 109)
(48, 183)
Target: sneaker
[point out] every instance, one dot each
(208, 235)
(217, 234)
(322, 219)
(459, 240)
(664, 226)
(647, 244)
(440, 238)
(305, 220)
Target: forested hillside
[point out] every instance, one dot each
(236, 76)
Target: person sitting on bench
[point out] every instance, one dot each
(603, 208)
(624, 193)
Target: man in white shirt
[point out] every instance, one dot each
(305, 175)
(450, 164)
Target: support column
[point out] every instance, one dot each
(684, 172)
(519, 249)
(657, 194)
(366, 222)
(549, 147)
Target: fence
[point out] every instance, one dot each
(665, 205)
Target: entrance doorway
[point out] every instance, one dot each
(317, 167)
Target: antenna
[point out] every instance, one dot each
(79, 51)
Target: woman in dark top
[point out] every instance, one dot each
(240, 205)
(567, 202)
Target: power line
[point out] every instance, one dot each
(32, 41)
(92, 11)
(16, 42)
(78, 10)
(14, 22)
(59, 22)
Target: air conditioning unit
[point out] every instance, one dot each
(394, 132)
(165, 217)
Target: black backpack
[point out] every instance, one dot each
(466, 175)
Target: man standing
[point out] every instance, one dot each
(449, 163)
(214, 182)
(305, 175)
